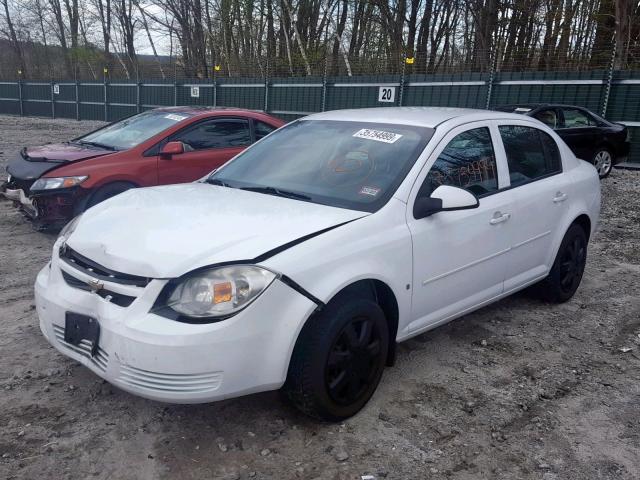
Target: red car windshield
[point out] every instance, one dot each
(132, 131)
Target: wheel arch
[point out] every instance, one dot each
(583, 221)
(379, 292)
(97, 188)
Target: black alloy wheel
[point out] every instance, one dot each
(572, 263)
(354, 360)
(567, 270)
(338, 359)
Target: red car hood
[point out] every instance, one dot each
(63, 152)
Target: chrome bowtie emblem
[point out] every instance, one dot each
(95, 285)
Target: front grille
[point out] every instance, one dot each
(73, 258)
(100, 360)
(170, 382)
(113, 297)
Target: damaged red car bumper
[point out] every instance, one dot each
(48, 209)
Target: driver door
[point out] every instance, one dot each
(208, 145)
(459, 257)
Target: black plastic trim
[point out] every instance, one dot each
(295, 286)
(113, 297)
(54, 191)
(293, 243)
(71, 257)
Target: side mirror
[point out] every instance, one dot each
(444, 198)
(170, 149)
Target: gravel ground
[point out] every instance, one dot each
(517, 390)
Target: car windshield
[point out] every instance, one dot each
(132, 131)
(356, 165)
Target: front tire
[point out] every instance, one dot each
(338, 359)
(603, 161)
(567, 270)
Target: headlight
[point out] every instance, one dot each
(57, 182)
(68, 229)
(219, 292)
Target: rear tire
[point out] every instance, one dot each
(107, 191)
(568, 267)
(338, 359)
(603, 161)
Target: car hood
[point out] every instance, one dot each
(62, 152)
(164, 232)
(33, 162)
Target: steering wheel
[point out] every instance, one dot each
(347, 169)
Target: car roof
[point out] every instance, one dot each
(202, 110)
(534, 106)
(429, 117)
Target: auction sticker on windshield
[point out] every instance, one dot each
(177, 118)
(377, 135)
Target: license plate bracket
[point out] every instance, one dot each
(79, 327)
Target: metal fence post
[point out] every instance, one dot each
(20, 97)
(324, 83)
(215, 91)
(106, 105)
(266, 88)
(175, 93)
(53, 103)
(609, 80)
(492, 72)
(138, 88)
(401, 88)
(77, 100)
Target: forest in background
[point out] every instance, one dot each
(79, 39)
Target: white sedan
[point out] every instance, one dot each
(303, 261)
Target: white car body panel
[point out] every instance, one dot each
(438, 268)
(157, 242)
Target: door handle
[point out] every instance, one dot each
(560, 197)
(499, 217)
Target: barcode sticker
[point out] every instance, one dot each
(378, 135)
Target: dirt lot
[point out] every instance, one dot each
(518, 390)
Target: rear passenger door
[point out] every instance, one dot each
(208, 145)
(535, 168)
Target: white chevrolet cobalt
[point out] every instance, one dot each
(303, 261)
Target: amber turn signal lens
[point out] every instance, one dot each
(222, 292)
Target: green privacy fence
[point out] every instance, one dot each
(616, 95)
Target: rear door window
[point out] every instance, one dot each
(531, 153)
(218, 133)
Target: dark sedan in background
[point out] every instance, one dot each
(589, 136)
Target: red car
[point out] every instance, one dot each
(55, 182)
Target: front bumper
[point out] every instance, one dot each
(47, 209)
(161, 359)
(19, 198)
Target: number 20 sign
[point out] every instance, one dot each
(387, 94)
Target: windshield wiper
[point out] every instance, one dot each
(217, 181)
(97, 144)
(277, 192)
